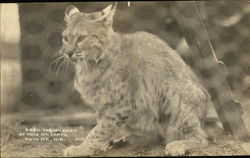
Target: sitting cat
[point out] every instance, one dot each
(139, 86)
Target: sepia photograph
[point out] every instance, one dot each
(125, 78)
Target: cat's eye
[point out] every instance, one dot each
(81, 38)
(65, 38)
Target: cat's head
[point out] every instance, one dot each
(87, 34)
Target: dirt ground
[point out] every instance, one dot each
(14, 144)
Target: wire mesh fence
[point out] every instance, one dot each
(227, 24)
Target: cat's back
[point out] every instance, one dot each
(148, 54)
(146, 43)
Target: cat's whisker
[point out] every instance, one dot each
(70, 66)
(67, 66)
(63, 68)
(58, 70)
(54, 62)
(57, 63)
(57, 58)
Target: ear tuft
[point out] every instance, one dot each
(107, 14)
(108, 9)
(70, 11)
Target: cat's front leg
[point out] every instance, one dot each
(187, 134)
(109, 129)
(96, 141)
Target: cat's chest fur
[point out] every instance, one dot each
(106, 88)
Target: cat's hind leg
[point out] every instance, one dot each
(184, 133)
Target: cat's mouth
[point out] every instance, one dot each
(74, 58)
(92, 62)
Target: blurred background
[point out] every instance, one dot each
(31, 35)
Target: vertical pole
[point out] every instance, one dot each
(229, 110)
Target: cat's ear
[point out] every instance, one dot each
(107, 14)
(70, 11)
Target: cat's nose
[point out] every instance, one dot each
(70, 53)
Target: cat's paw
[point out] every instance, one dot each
(76, 151)
(176, 148)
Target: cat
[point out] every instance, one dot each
(138, 85)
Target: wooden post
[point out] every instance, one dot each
(11, 76)
(190, 22)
